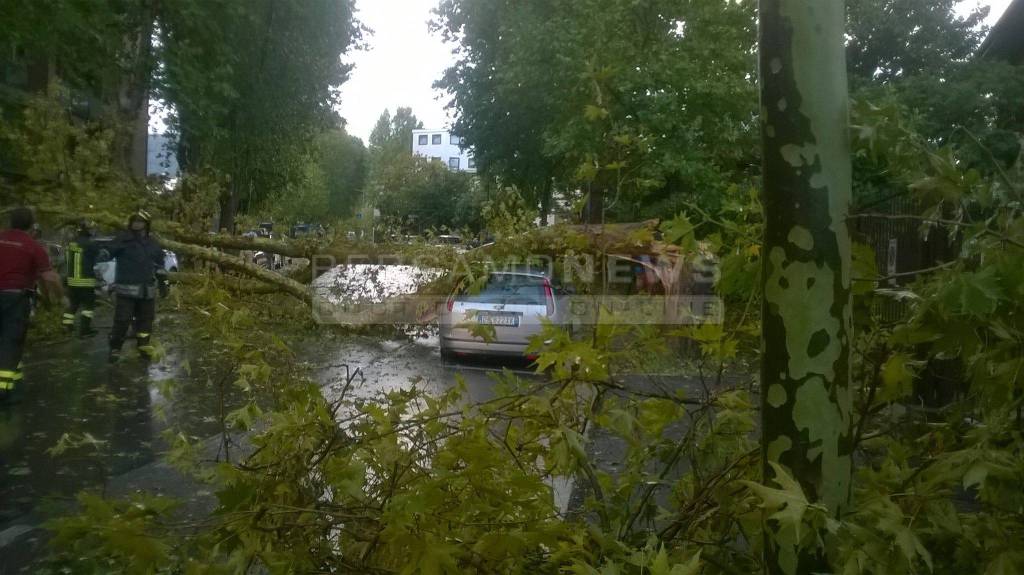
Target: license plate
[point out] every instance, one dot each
(503, 319)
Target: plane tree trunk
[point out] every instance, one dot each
(806, 328)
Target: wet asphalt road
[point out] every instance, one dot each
(125, 409)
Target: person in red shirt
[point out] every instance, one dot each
(23, 263)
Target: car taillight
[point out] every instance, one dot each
(549, 295)
(451, 296)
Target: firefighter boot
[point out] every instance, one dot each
(86, 330)
(145, 349)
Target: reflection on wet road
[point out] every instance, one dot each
(392, 365)
(118, 412)
(121, 411)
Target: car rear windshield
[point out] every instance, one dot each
(510, 289)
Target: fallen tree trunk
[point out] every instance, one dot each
(233, 263)
(327, 255)
(297, 249)
(233, 283)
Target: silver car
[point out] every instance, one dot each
(513, 302)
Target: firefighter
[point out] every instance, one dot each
(81, 281)
(139, 276)
(23, 263)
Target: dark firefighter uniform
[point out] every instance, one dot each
(22, 262)
(81, 281)
(139, 277)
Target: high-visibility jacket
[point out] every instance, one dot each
(81, 259)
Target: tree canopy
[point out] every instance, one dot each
(251, 86)
(649, 102)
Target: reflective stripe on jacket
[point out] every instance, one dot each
(80, 261)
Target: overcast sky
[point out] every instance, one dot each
(398, 69)
(404, 60)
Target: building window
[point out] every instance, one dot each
(453, 163)
(436, 158)
(471, 163)
(435, 139)
(455, 140)
(423, 139)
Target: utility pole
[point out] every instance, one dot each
(806, 322)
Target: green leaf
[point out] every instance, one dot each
(976, 475)
(594, 113)
(1006, 563)
(974, 293)
(864, 268)
(789, 503)
(897, 378)
(679, 230)
(691, 567)
(654, 414)
(660, 564)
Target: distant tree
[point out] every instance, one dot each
(381, 130)
(252, 84)
(503, 117)
(389, 153)
(888, 40)
(344, 163)
(633, 102)
(419, 194)
(101, 50)
(922, 53)
(392, 135)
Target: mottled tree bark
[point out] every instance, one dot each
(807, 327)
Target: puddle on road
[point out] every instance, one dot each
(125, 408)
(121, 409)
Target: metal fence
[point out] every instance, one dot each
(901, 247)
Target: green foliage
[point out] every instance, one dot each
(891, 41)
(193, 202)
(653, 100)
(922, 55)
(911, 514)
(507, 214)
(649, 102)
(305, 198)
(84, 38)
(392, 135)
(102, 51)
(344, 162)
(417, 194)
(252, 84)
(67, 163)
(113, 535)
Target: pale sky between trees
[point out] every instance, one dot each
(403, 60)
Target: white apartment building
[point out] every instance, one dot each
(443, 146)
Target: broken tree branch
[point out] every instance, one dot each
(234, 263)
